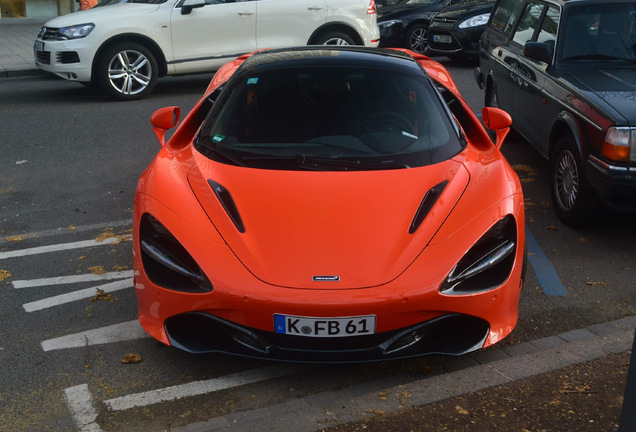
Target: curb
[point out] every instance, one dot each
(476, 372)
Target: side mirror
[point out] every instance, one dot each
(541, 51)
(163, 120)
(188, 5)
(498, 120)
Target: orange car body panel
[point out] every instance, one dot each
(384, 271)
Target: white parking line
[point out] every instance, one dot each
(125, 331)
(61, 280)
(80, 402)
(58, 247)
(76, 295)
(201, 387)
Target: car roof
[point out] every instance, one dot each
(321, 55)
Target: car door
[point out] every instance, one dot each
(283, 23)
(209, 36)
(539, 23)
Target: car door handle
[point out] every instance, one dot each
(315, 8)
(246, 13)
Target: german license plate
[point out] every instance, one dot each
(324, 327)
(442, 39)
(39, 46)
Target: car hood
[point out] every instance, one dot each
(103, 13)
(466, 9)
(351, 226)
(616, 87)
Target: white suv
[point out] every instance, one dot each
(125, 46)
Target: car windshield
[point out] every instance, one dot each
(329, 118)
(605, 31)
(112, 2)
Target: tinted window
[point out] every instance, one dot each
(505, 15)
(331, 117)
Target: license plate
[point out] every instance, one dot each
(39, 46)
(442, 39)
(324, 327)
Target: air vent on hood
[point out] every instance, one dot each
(426, 205)
(228, 204)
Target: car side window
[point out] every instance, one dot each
(549, 26)
(529, 23)
(505, 16)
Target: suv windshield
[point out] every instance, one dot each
(329, 118)
(605, 31)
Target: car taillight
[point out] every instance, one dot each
(620, 144)
(372, 9)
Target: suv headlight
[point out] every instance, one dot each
(620, 144)
(75, 32)
(475, 21)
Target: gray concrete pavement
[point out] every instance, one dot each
(16, 46)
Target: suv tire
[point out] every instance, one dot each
(127, 71)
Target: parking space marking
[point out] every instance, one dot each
(61, 280)
(546, 274)
(58, 247)
(76, 295)
(201, 387)
(80, 402)
(125, 331)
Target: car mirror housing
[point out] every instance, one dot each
(164, 119)
(541, 51)
(188, 5)
(498, 120)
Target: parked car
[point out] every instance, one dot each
(564, 70)
(329, 204)
(125, 47)
(455, 30)
(405, 24)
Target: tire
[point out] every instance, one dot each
(491, 97)
(127, 71)
(575, 202)
(416, 38)
(335, 38)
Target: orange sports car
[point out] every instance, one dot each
(329, 204)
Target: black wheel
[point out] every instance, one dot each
(335, 38)
(574, 201)
(127, 71)
(416, 38)
(491, 97)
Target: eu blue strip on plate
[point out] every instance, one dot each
(546, 275)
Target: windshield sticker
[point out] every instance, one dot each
(218, 138)
(252, 80)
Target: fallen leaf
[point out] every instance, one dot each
(4, 274)
(131, 358)
(102, 295)
(461, 410)
(72, 227)
(97, 270)
(17, 238)
(592, 283)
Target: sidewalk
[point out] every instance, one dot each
(16, 46)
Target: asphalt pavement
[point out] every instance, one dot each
(486, 369)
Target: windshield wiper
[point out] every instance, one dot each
(320, 163)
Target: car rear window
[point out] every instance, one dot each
(330, 118)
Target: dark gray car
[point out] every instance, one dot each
(566, 72)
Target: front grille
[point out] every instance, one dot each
(445, 20)
(44, 57)
(49, 33)
(66, 57)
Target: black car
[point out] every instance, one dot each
(405, 24)
(566, 72)
(456, 29)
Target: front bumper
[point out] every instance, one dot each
(454, 41)
(71, 60)
(616, 186)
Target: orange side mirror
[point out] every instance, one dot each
(163, 120)
(498, 120)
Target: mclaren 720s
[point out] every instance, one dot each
(329, 204)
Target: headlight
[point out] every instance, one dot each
(620, 144)
(75, 32)
(488, 263)
(475, 21)
(166, 261)
(387, 24)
